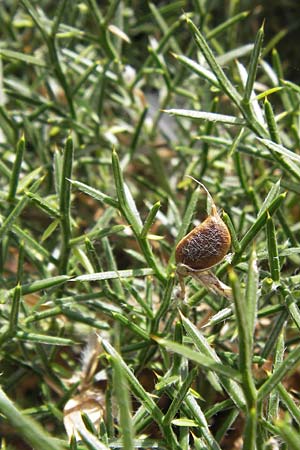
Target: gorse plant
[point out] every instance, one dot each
(103, 113)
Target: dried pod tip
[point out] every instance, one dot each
(207, 244)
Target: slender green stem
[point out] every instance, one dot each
(123, 400)
(245, 350)
(273, 250)
(128, 209)
(13, 185)
(65, 205)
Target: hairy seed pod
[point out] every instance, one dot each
(206, 245)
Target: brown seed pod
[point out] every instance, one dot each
(207, 244)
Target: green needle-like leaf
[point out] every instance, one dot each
(253, 65)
